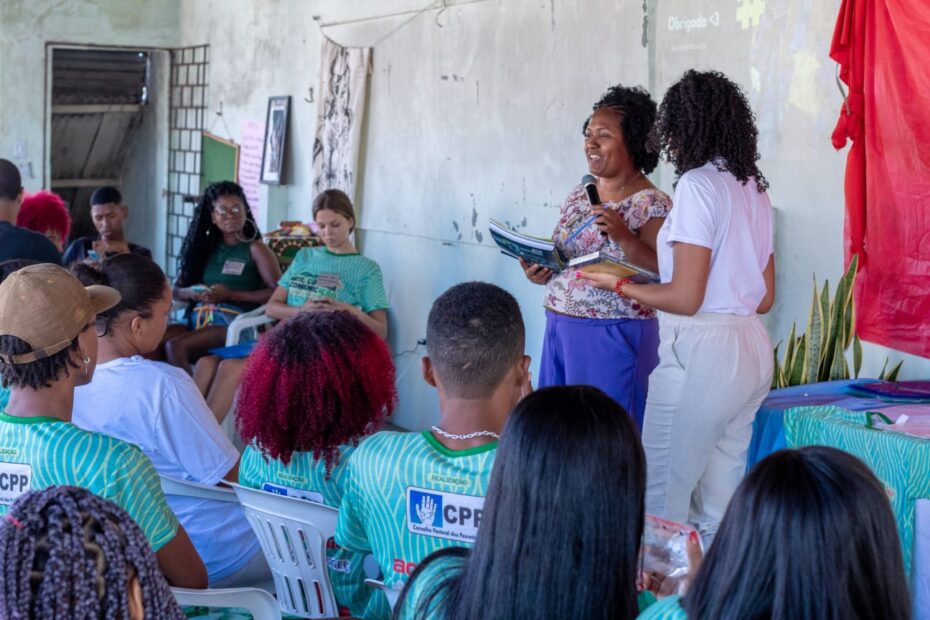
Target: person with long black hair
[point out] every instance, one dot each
(562, 521)
(809, 535)
(717, 266)
(225, 269)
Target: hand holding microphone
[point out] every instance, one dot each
(594, 199)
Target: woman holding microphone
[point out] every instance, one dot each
(596, 337)
(717, 271)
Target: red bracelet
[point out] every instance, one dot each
(618, 287)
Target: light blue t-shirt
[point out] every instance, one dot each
(350, 278)
(667, 609)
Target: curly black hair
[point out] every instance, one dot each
(637, 113)
(38, 374)
(203, 237)
(705, 117)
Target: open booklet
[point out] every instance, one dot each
(535, 250)
(601, 262)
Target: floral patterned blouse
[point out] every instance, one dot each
(575, 297)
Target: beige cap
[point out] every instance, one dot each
(48, 307)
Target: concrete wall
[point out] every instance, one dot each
(475, 112)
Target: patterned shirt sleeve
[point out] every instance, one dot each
(295, 266)
(135, 486)
(350, 528)
(372, 294)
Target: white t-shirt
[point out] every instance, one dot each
(714, 210)
(159, 408)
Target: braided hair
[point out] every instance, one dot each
(314, 383)
(203, 237)
(69, 554)
(705, 117)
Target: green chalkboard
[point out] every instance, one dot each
(219, 160)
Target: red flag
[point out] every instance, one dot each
(882, 47)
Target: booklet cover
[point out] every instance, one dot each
(535, 250)
(601, 262)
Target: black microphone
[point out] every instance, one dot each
(590, 190)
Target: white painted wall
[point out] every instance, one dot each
(480, 117)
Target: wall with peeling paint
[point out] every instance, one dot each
(475, 112)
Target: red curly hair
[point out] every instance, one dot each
(314, 383)
(43, 212)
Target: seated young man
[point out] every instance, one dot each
(48, 346)
(108, 213)
(16, 242)
(409, 494)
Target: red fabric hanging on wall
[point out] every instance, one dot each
(883, 48)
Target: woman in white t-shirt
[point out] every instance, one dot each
(717, 272)
(158, 407)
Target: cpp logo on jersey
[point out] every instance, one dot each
(443, 515)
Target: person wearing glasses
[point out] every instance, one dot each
(225, 269)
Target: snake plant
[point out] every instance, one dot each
(819, 354)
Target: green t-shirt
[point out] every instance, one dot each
(36, 453)
(304, 477)
(407, 496)
(233, 267)
(4, 397)
(442, 569)
(667, 609)
(350, 278)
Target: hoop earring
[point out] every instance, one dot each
(86, 361)
(242, 239)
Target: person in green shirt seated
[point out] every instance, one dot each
(70, 554)
(409, 494)
(335, 276)
(562, 521)
(312, 389)
(809, 535)
(320, 279)
(48, 346)
(225, 269)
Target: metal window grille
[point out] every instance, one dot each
(187, 113)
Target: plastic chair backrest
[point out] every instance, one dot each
(186, 488)
(257, 602)
(293, 534)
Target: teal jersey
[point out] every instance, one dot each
(36, 453)
(429, 589)
(350, 278)
(407, 496)
(667, 609)
(304, 477)
(4, 397)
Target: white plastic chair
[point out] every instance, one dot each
(186, 488)
(390, 593)
(257, 602)
(246, 320)
(293, 535)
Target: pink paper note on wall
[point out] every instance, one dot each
(250, 165)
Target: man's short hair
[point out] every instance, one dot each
(105, 195)
(11, 182)
(474, 336)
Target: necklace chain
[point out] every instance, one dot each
(466, 436)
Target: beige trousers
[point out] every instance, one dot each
(714, 371)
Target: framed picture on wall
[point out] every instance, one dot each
(275, 140)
